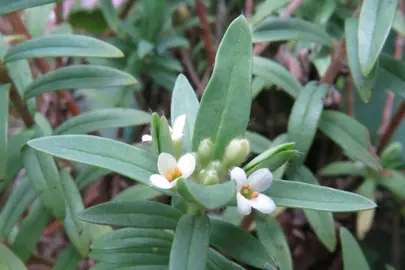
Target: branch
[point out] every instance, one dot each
(337, 61)
(21, 107)
(59, 12)
(392, 127)
(185, 57)
(209, 45)
(248, 8)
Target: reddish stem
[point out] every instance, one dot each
(248, 8)
(209, 45)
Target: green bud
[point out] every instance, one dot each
(214, 165)
(236, 152)
(393, 150)
(210, 177)
(204, 152)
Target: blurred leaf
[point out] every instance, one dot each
(375, 20)
(184, 101)
(271, 235)
(62, 45)
(91, 21)
(20, 74)
(225, 107)
(364, 84)
(8, 6)
(350, 135)
(136, 193)
(365, 218)
(278, 29)
(104, 118)
(304, 118)
(142, 214)
(4, 101)
(307, 196)
(68, 259)
(240, 244)
(339, 168)
(36, 19)
(9, 259)
(394, 183)
(399, 23)
(165, 138)
(86, 177)
(172, 42)
(259, 84)
(209, 197)
(80, 76)
(326, 12)
(190, 243)
(353, 257)
(267, 8)
(322, 223)
(218, 262)
(19, 199)
(154, 132)
(258, 142)
(110, 14)
(136, 164)
(44, 176)
(392, 73)
(275, 73)
(156, 9)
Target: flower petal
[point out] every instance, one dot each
(239, 175)
(166, 163)
(146, 138)
(178, 126)
(260, 180)
(243, 204)
(186, 165)
(263, 203)
(159, 181)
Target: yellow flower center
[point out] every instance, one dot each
(248, 192)
(173, 175)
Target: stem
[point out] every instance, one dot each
(193, 209)
(59, 12)
(21, 107)
(209, 45)
(247, 221)
(248, 8)
(337, 60)
(185, 57)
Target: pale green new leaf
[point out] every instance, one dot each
(365, 218)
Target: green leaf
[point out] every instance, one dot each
(399, 23)
(392, 72)
(184, 101)
(15, 206)
(4, 94)
(10, 260)
(350, 135)
(364, 84)
(322, 223)
(78, 76)
(76, 230)
(344, 168)
(365, 218)
(36, 19)
(353, 257)
(62, 45)
(267, 8)
(109, 266)
(104, 118)
(89, 175)
(394, 183)
(165, 138)
(304, 118)
(375, 21)
(8, 6)
(258, 143)
(278, 29)
(218, 262)
(190, 244)
(307, 196)
(275, 73)
(156, 9)
(154, 132)
(172, 42)
(209, 197)
(68, 259)
(110, 14)
(44, 176)
(142, 214)
(240, 244)
(136, 164)
(138, 192)
(20, 74)
(271, 235)
(225, 107)
(31, 231)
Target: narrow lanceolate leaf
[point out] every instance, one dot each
(89, 175)
(15, 206)
(190, 244)
(165, 138)
(104, 118)
(68, 259)
(350, 135)
(375, 20)
(78, 76)
(353, 257)
(225, 107)
(258, 143)
(267, 8)
(365, 218)
(44, 176)
(9, 259)
(275, 73)
(142, 214)
(8, 6)
(110, 14)
(184, 101)
(138, 192)
(4, 93)
(62, 45)
(321, 222)
(363, 84)
(395, 183)
(272, 237)
(307, 196)
(278, 29)
(137, 164)
(240, 244)
(304, 118)
(209, 197)
(218, 262)
(344, 168)
(392, 72)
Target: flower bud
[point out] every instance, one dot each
(204, 152)
(210, 177)
(236, 152)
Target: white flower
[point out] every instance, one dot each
(170, 170)
(248, 190)
(177, 131)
